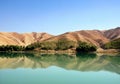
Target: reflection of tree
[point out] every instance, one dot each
(81, 62)
(86, 56)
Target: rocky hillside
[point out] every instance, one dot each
(95, 37)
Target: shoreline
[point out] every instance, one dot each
(99, 50)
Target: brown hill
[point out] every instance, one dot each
(13, 38)
(112, 33)
(95, 37)
(91, 36)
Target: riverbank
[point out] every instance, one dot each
(100, 50)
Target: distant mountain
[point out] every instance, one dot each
(112, 33)
(13, 38)
(95, 37)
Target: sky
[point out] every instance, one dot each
(58, 16)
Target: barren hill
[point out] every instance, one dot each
(95, 37)
(13, 38)
(91, 36)
(112, 33)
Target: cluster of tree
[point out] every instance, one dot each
(11, 48)
(62, 44)
(65, 44)
(115, 44)
(33, 46)
(52, 45)
(85, 47)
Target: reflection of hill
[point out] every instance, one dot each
(81, 62)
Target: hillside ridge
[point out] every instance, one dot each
(96, 37)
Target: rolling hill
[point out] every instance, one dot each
(95, 37)
(13, 38)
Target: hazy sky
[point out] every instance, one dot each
(58, 16)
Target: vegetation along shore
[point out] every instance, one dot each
(100, 41)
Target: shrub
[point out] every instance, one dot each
(115, 44)
(64, 44)
(85, 47)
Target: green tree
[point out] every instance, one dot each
(85, 47)
(64, 44)
(115, 44)
(49, 45)
(11, 48)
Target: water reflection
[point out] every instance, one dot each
(79, 62)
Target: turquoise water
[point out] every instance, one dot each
(35, 68)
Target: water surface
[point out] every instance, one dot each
(35, 68)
